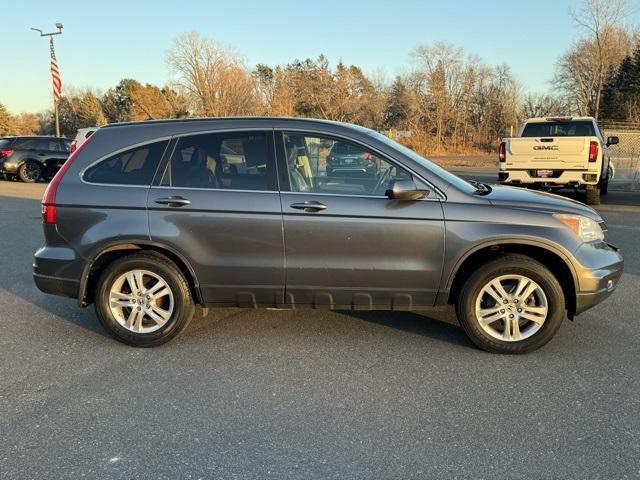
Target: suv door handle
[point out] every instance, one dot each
(173, 201)
(309, 206)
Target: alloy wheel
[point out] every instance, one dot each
(141, 301)
(511, 308)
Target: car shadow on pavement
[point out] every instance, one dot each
(21, 235)
(423, 324)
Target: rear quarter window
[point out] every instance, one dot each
(130, 167)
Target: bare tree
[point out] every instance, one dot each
(541, 105)
(600, 19)
(212, 75)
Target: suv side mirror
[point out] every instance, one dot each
(612, 141)
(405, 190)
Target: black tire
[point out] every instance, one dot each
(512, 264)
(183, 305)
(30, 172)
(592, 195)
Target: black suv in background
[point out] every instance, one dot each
(32, 158)
(148, 219)
(350, 160)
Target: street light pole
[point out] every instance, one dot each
(57, 83)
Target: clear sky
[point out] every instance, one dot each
(104, 42)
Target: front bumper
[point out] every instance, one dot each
(601, 266)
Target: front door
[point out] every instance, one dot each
(217, 204)
(346, 244)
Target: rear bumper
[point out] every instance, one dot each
(8, 167)
(599, 280)
(566, 178)
(57, 270)
(64, 287)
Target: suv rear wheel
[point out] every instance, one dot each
(30, 172)
(513, 304)
(143, 300)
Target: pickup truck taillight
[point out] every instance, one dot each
(593, 151)
(502, 152)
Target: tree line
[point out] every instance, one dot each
(448, 101)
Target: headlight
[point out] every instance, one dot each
(587, 229)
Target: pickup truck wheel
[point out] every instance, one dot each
(143, 300)
(592, 194)
(512, 304)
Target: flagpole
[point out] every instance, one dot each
(57, 90)
(55, 99)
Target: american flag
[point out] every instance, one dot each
(55, 76)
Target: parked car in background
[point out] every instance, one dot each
(148, 218)
(345, 159)
(554, 153)
(81, 137)
(30, 159)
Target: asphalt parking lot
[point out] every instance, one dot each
(311, 394)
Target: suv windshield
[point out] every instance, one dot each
(578, 128)
(437, 170)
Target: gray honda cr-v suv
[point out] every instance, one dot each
(148, 219)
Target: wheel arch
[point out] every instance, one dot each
(109, 253)
(552, 258)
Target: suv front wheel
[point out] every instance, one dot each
(512, 304)
(143, 300)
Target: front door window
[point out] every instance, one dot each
(333, 166)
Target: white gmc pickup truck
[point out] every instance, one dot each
(553, 153)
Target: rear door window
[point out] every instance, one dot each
(228, 160)
(136, 166)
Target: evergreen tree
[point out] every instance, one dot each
(398, 105)
(621, 94)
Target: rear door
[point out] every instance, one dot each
(346, 244)
(216, 203)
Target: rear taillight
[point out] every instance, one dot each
(593, 151)
(73, 147)
(6, 152)
(367, 156)
(502, 152)
(49, 198)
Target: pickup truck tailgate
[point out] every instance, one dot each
(555, 152)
